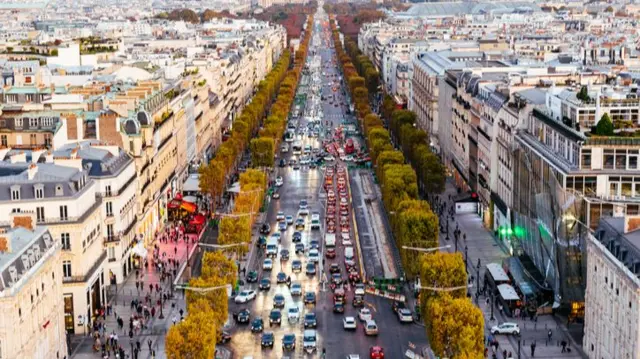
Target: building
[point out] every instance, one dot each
(31, 298)
(612, 298)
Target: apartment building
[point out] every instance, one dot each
(31, 299)
(612, 298)
(64, 197)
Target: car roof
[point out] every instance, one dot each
(309, 332)
(371, 322)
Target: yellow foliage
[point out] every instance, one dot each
(455, 327)
(194, 338)
(442, 269)
(216, 300)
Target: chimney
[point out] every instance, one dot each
(26, 220)
(35, 154)
(48, 158)
(31, 172)
(5, 241)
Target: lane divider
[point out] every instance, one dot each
(356, 239)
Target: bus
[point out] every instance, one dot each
(349, 147)
(297, 147)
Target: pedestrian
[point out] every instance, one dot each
(564, 346)
(153, 312)
(533, 349)
(150, 287)
(175, 250)
(149, 342)
(174, 320)
(504, 354)
(549, 334)
(130, 334)
(181, 312)
(510, 356)
(138, 344)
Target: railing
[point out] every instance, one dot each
(83, 278)
(76, 219)
(118, 192)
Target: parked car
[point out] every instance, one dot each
(506, 328)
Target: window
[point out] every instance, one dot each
(33, 122)
(15, 193)
(33, 140)
(18, 123)
(64, 215)
(66, 269)
(608, 159)
(110, 232)
(586, 158)
(4, 141)
(111, 251)
(47, 139)
(39, 193)
(107, 190)
(40, 214)
(633, 162)
(109, 206)
(65, 239)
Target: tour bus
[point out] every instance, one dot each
(297, 148)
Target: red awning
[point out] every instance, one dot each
(173, 204)
(198, 220)
(179, 196)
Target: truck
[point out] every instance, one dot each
(330, 239)
(272, 247)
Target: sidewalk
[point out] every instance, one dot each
(121, 307)
(481, 245)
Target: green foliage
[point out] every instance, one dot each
(604, 126)
(262, 152)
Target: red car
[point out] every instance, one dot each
(376, 353)
(330, 253)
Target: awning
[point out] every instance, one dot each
(140, 250)
(190, 199)
(192, 184)
(497, 273)
(198, 220)
(173, 204)
(189, 207)
(507, 292)
(235, 188)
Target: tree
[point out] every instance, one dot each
(386, 158)
(415, 225)
(234, 230)
(372, 79)
(388, 106)
(262, 152)
(583, 94)
(398, 184)
(251, 177)
(604, 126)
(445, 270)
(370, 121)
(212, 180)
(194, 337)
(455, 328)
(429, 169)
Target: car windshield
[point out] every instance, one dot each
(293, 310)
(289, 338)
(310, 338)
(310, 316)
(267, 336)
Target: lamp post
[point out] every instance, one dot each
(466, 257)
(493, 294)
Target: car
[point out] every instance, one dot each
(346, 240)
(336, 278)
(296, 166)
(275, 317)
(296, 266)
(334, 268)
(370, 327)
(358, 301)
(310, 298)
(299, 248)
(252, 276)
(310, 269)
(303, 205)
(310, 320)
(315, 216)
(257, 325)
(267, 264)
(267, 339)
(245, 296)
(223, 337)
(329, 158)
(314, 244)
(279, 181)
(293, 315)
(282, 226)
(281, 277)
(364, 314)
(314, 255)
(296, 289)
(297, 237)
(359, 289)
(506, 328)
(277, 236)
(265, 228)
(376, 352)
(330, 253)
(280, 216)
(283, 163)
(405, 316)
(292, 162)
(349, 323)
(289, 342)
(300, 223)
(278, 301)
(288, 219)
(243, 316)
(396, 306)
(265, 283)
(284, 254)
(338, 307)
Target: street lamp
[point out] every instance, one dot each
(433, 249)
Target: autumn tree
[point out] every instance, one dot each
(195, 337)
(262, 151)
(455, 328)
(234, 230)
(415, 225)
(444, 270)
(386, 158)
(388, 106)
(398, 184)
(429, 169)
(212, 180)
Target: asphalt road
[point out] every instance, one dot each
(306, 183)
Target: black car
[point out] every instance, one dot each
(338, 307)
(397, 306)
(311, 269)
(314, 244)
(336, 278)
(265, 284)
(283, 163)
(278, 301)
(267, 340)
(257, 325)
(296, 266)
(243, 316)
(281, 277)
(309, 298)
(265, 229)
(224, 337)
(252, 277)
(334, 268)
(275, 317)
(358, 301)
(297, 237)
(284, 254)
(289, 342)
(299, 248)
(310, 320)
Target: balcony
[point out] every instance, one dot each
(84, 278)
(124, 187)
(76, 219)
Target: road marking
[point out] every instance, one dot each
(371, 306)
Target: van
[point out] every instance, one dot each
(330, 239)
(272, 247)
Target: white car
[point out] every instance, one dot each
(245, 296)
(364, 314)
(296, 289)
(359, 289)
(305, 160)
(280, 216)
(289, 220)
(405, 316)
(506, 328)
(313, 255)
(315, 216)
(349, 323)
(267, 264)
(293, 314)
(346, 239)
(279, 181)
